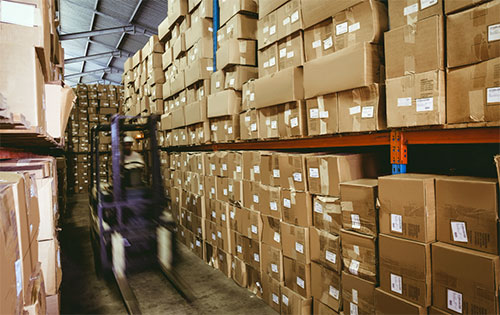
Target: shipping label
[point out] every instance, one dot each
(396, 284)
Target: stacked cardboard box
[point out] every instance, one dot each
(31, 267)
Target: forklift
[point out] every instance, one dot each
(129, 227)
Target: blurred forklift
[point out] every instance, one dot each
(130, 229)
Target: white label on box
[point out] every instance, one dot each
(274, 124)
(198, 243)
(287, 203)
(238, 169)
(17, 13)
(201, 187)
(454, 301)
(210, 68)
(354, 27)
(404, 101)
(284, 298)
(239, 249)
(396, 284)
(297, 177)
(223, 216)
(277, 237)
(230, 188)
(356, 249)
(282, 52)
(286, 20)
(256, 198)
(427, 3)
(192, 246)
(299, 247)
(253, 127)
(212, 190)
(493, 32)
(212, 167)
(247, 119)
(331, 257)
(274, 268)
(295, 16)
(252, 96)
(231, 82)
(396, 223)
(272, 61)
(300, 282)
(327, 43)
(225, 191)
(353, 308)
(256, 169)
(316, 44)
(273, 206)
(410, 9)
(224, 167)
(341, 28)
(493, 95)
(314, 172)
(19, 273)
(272, 30)
(213, 236)
(217, 84)
(229, 29)
(367, 112)
(353, 267)
(354, 110)
(313, 113)
(355, 222)
(230, 130)
(256, 257)
(355, 296)
(334, 292)
(254, 229)
(327, 217)
(459, 232)
(276, 299)
(265, 29)
(290, 54)
(294, 122)
(425, 104)
(214, 214)
(318, 207)
(276, 173)
(323, 114)
(210, 29)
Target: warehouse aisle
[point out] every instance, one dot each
(83, 293)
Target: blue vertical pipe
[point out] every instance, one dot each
(215, 29)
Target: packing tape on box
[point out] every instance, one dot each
(411, 11)
(476, 105)
(323, 175)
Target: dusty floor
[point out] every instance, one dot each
(83, 293)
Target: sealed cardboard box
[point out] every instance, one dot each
(362, 109)
(473, 35)
(269, 168)
(280, 87)
(358, 295)
(322, 115)
(267, 6)
(295, 242)
(228, 8)
(296, 207)
(177, 10)
(359, 254)
(293, 303)
(458, 5)
(315, 11)
(386, 303)
(200, 69)
(227, 102)
(201, 49)
(237, 75)
(217, 81)
(200, 8)
(237, 52)
(415, 48)
(197, 111)
(407, 206)
(411, 11)
(178, 118)
(249, 122)
(292, 119)
(272, 262)
(289, 18)
(291, 51)
(318, 40)
(467, 212)
(458, 274)
(327, 214)
(251, 165)
(271, 231)
(326, 286)
(271, 291)
(240, 26)
(473, 95)
(268, 60)
(360, 65)
(325, 249)
(268, 122)
(271, 201)
(359, 206)
(251, 198)
(292, 170)
(416, 100)
(267, 30)
(248, 95)
(364, 22)
(297, 276)
(405, 269)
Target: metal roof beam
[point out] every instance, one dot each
(131, 29)
(128, 52)
(91, 72)
(115, 53)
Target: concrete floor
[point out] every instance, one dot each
(83, 293)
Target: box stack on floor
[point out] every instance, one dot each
(96, 103)
(30, 260)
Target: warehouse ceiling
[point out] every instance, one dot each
(119, 28)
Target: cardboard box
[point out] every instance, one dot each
(364, 22)
(318, 40)
(59, 101)
(467, 212)
(200, 69)
(268, 60)
(409, 12)
(271, 201)
(237, 52)
(200, 29)
(326, 286)
(271, 291)
(458, 274)
(227, 102)
(200, 8)
(386, 303)
(315, 11)
(254, 280)
(278, 88)
(458, 5)
(240, 26)
(362, 109)
(322, 309)
(327, 214)
(415, 48)
(292, 119)
(267, 30)
(472, 95)
(291, 51)
(325, 249)
(405, 269)
(268, 122)
(217, 81)
(228, 8)
(248, 95)
(249, 125)
(267, 6)
(272, 262)
(177, 10)
(298, 276)
(416, 100)
(295, 242)
(49, 256)
(470, 40)
(407, 206)
(271, 231)
(292, 168)
(251, 198)
(239, 272)
(289, 18)
(224, 262)
(359, 254)
(296, 207)
(293, 303)
(197, 112)
(237, 75)
(201, 49)
(251, 165)
(358, 294)
(359, 206)
(360, 65)
(322, 115)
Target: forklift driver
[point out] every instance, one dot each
(131, 158)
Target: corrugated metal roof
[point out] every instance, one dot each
(77, 16)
